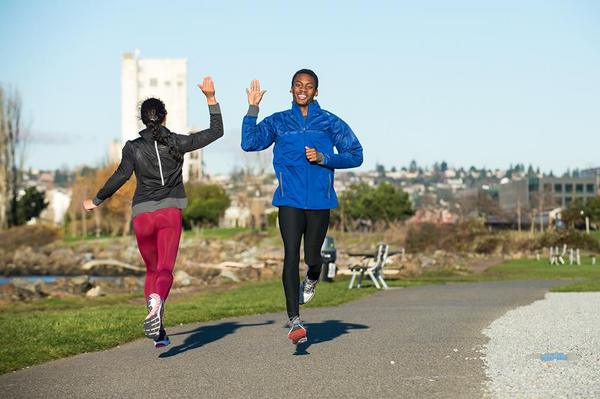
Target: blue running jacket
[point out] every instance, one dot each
(303, 184)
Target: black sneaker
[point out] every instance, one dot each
(297, 331)
(307, 290)
(162, 340)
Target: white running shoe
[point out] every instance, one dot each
(153, 321)
(307, 290)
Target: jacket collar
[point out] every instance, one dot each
(313, 109)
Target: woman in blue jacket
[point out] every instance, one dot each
(304, 161)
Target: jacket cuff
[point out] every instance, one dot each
(253, 110)
(214, 109)
(97, 201)
(320, 158)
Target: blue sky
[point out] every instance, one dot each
(470, 82)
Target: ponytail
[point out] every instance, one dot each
(153, 113)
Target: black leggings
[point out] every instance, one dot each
(293, 224)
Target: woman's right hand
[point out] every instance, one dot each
(208, 88)
(254, 93)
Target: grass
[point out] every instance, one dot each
(524, 269)
(226, 233)
(50, 329)
(57, 327)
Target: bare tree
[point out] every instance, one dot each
(13, 150)
(3, 165)
(12, 155)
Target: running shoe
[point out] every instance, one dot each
(162, 340)
(153, 321)
(307, 290)
(297, 331)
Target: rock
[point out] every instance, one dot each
(95, 292)
(181, 278)
(427, 262)
(266, 273)
(228, 274)
(132, 283)
(80, 284)
(232, 264)
(25, 290)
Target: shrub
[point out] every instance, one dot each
(572, 238)
(33, 236)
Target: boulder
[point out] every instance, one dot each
(95, 292)
(80, 284)
(24, 290)
(182, 279)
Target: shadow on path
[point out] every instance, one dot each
(325, 331)
(207, 334)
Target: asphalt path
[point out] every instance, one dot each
(420, 342)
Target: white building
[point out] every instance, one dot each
(58, 204)
(161, 78)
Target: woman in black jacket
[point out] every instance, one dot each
(156, 157)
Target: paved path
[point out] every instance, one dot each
(432, 334)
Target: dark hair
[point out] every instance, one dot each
(153, 114)
(307, 72)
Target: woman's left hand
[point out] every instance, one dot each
(208, 88)
(88, 204)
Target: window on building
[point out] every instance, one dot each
(153, 82)
(590, 188)
(568, 188)
(558, 188)
(179, 83)
(558, 201)
(579, 188)
(547, 187)
(568, 200)
(167, 83)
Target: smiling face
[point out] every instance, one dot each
(303, 89)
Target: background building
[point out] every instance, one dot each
(546, 192)
(165, 79)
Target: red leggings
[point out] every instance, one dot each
(157, 235)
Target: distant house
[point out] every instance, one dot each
(435, 216)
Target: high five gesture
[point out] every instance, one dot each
(254, 93)
(208, 88)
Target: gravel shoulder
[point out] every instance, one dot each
(566, 323)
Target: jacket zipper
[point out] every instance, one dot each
(162, 179)
(329, 186)
(281, 182)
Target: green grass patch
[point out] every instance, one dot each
(50, 329)
(215, 232)
(531, 269)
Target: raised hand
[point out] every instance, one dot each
(208, 88)
(254, 93)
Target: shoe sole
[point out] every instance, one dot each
(298, 336)
(162, 344)
(152, 324)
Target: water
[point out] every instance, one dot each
(49, 279)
